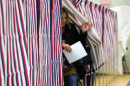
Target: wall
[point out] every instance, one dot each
(113, 3)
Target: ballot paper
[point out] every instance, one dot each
(77, 52)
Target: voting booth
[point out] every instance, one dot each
(123, 13)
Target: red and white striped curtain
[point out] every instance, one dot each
(50, 47)
(105, 24)
(30, 12)
(14, 63)
(19, 26)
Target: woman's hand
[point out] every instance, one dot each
(66, 47)
(86, 27)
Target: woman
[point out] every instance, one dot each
(70, 36)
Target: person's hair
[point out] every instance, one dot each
(67, 17)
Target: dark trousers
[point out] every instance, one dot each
(70, 80)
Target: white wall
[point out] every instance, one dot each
(113, 3)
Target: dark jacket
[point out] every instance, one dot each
(72, 36)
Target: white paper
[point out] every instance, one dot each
(77, 52)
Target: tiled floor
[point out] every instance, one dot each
(111, 81)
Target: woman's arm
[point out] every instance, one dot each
(66, 47)
(83, 32)
(86, 27)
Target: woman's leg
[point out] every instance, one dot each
(70, 80)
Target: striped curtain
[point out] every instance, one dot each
(19, 45)
(50, 47)
(30, 12)
(14, 66)
(105, 21)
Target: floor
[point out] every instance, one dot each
(112, 80)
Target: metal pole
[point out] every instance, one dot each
(109, 65)
(95, 78)
(99, 76)
(117, 67)
(111, 70)
(103, 74)
(106, 73)
(90, 75)
(85, 81)
(114, 67)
